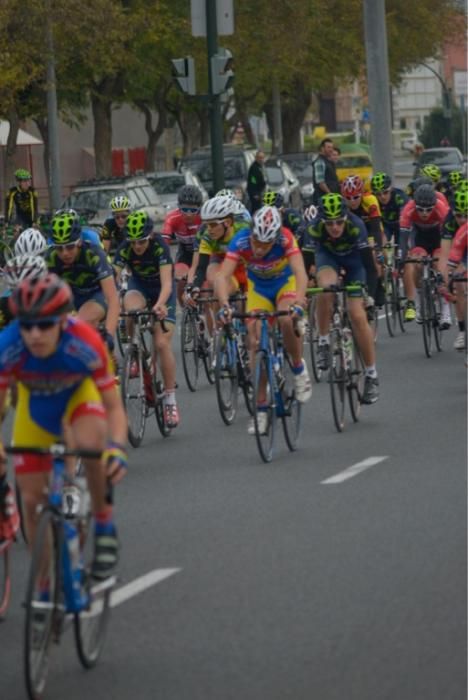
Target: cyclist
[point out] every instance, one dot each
(151, 285)
(339, 239)
(421, 223)
(88, 234)
(291, 218)
(391, 201)
(30, 242)
(88, 272)
(454, 178)
(64, 381)
(182, 225)
(113, 229)
(242, 215)
(366, 206)
(21, 206)
(456, 219)
(276, 279)
(433, 172)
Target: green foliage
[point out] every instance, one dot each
(437, 126)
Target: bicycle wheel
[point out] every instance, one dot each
(391, 303)
(19, 505)
(158, 391)
(313, 339)
(209, 345)
(133, 394)
(401, 300)
(264, 403)
(90, 624)
(427, 318)
(355, 385)
(292, 409)
(122, 337)
(337, 379)
(245, 375)
(226, 377)
(438, 332)
(43, 617)
(5, 580)
(189, 348)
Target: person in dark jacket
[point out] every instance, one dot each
(324, 174)
(256, 182)
(21, 207)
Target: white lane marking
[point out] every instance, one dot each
(140, 584)
(354, 470)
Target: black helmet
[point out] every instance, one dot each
(425, 196)
(189, 194)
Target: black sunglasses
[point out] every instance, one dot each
(66, 246)
(189, 210)
(424, 210)
(43, 324)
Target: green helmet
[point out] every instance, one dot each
(120, 203)
(332, 206)
(432, 171)
(462, 186)
(380, 182)
(461, 202)
(22, 174)
(65, 229)
(138, 226)
(273, 199)
(455, 177)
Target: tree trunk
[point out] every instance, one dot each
(10, 149)
(41, 123)
(294, 106)
(153, 134)
(102, 115)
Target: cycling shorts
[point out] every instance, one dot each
(351, 264)
(264, 295)
(85, 400)
(151, 292)
(80, 298)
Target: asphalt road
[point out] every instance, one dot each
(286, 587)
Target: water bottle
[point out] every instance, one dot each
(73, 546)
(348, 346)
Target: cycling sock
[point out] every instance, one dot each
(461, 328)
(104, 521)
(371, 372)
(298, 369)
(169, 397)
(324, 340)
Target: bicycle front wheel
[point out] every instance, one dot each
(5, 580)
(292, 409)
(391, 303)
(264, 407)
(427, 315)
(337, 380)
(356, 382)
(133, 394)
(189, 348)
(226, 378)
(43, 619)
(313, 339)
(158, 392)
(438, 332)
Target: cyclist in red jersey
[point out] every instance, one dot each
(182, 225)
(421, 223)
(457, 261)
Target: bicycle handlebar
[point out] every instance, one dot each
(57, 450)
(137, 313)
(334, 288)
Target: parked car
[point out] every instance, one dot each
(448, 159)
(281, 178)
(167, 184)
(301, 165)
(92, 197)
(354, 163)
(237, 161)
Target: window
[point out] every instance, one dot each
(168, 185)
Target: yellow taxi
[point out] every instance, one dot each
(355, 163)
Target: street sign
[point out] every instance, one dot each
(224, 17)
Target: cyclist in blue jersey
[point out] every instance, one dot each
(391, 200)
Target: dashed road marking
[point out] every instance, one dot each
(354, 470)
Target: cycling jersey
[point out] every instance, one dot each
(354, 237)
(292, 219)
(87, 270)
(458, 250)
(274, 265)
(450, 226)
(217, 248)
(146, 266)
(410, 216)
(21, 207)
(369, 211)
(391, 212)
(111, 232)
(91, 236)
(176, 227)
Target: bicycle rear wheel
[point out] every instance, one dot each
(189, 348)
(337, 380)
(158, 391)
(264, 398)
(391, 303)
(292, 409)
(226, 377)
(5, 580)
(209, 345)
(43, 618)
(133, 394)
(438, 332)
(313, 339)
(427, 315)
(356, 382)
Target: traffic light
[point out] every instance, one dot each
(222, 75)
(184, 73)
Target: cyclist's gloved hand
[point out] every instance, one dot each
(296, 310)
(116, 462)
(191, 294)
(109, 340)
(224, 315)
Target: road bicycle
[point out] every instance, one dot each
(141, 387)
(274, 393)
(431, 304)
(232, 368)
(60, 588)
(197, 330)
(346, 367)
(395, 297)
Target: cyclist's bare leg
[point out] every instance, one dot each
(92, 313)
(90, 433)
(325, 277)
(33, 488)
(133, 301)
(292, 343)
(165, 354)
(362, 330)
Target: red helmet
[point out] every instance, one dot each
(352, 186)
(39, 297)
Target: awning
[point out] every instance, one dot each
(24, 139)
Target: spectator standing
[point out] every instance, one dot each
(21, 207)
(324, 174)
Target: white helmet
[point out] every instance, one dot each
(30, 242)
(310, 213)
(218, 208)
(22, 267)
(226, 192)
(266, 224)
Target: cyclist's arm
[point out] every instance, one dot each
(200, 273)
(371, 271)
(222, 279)
(297, 266)
(116, 416)
(193, 267)
(113, 305)
(165, 274)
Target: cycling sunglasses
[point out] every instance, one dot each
(189, 210)
(66, 246)
(137, 241)
(42, 324)
(424, 210)
(387, 191)
(336, 222)
(354, 197)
